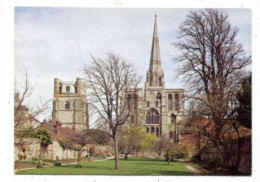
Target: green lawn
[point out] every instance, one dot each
(132, 166)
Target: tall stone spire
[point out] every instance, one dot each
(155, 75)
(155, 52)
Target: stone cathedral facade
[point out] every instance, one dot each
(158, 109)
(70, 107)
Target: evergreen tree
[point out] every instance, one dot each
(244, 100)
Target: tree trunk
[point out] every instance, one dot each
(116, 152)
(126, 156)
(169, 159)
(79, 153)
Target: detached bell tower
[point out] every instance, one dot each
(155, 74)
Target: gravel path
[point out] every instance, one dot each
(192, 169)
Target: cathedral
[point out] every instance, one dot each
(158, 109)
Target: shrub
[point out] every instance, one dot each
(39, 166)
(57, 164)
(35, 158)
(49, 160)
(78, 166)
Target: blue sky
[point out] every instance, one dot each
(54, 42)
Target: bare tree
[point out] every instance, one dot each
(108, 78)
(25, 122)
(24, 114)
(212, 62)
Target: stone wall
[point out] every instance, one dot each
(55, 150)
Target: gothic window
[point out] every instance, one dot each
(67, 105)
(129, 101)
(67, 88)
(157, 132)
(148, 104)
(151, 80)
(160, 81)
(171, 134)
(135, 101)
(170, 102)
(147, 130)
(152, 117)
(152, 130)
(75, 89)
(177, 104)
(60, 89)
(173, 119)
(156, 103)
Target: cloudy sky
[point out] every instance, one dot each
(54, 42)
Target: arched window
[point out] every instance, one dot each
(152, 117)
(170, 102)
(157, 132)
(67, 105)
(152, 130)
(173, 118)
(129, 100)
(177, 104)
(67, 88)
(60, 89)
(156, 103)
(171, 134)
(135, 101)
(147, 130)
(151, 80)
(160, 81)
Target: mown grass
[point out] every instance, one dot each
(132, 166)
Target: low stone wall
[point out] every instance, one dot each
(55, 150)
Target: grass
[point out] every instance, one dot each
(132, 166)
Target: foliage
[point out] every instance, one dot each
(44, 135)
(244, 100)
(134, 139)
(57, 163)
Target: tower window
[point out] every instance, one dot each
(170, 102)
(173, 119)
(67, 105)
(148, 104)
(60, 89)
(67, 88)
(160, 81)
(177, 104)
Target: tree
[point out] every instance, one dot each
(244, 115)
(45, 138)
(134, 139)
(107, 79)
(212, 61)
(25, 122)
